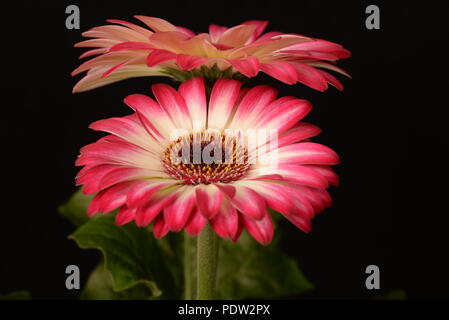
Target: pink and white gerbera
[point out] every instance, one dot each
(126, 50)
(133, 169)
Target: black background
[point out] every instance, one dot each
(387, 127)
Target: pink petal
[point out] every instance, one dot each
(116, 32)
(298, 133)
(303, 175)
(194, 95)
(310, 195)
(157, 24)
(326, 172)
(101, 43)
(131, 46)
(90, 177)
(283, 114)
(109, 199)
(160, 227)
(158, 56)
(308, 55)
(155, 119)
(177, 213)
(248, 67)
(328, 66)
(276, 196)
(332, 80)
(208, 200)
(153, 207)
(109, 71)
(239, 231)
(307, 153)
(216, 32)
(252, 105)
(143, 190)
(222, 99)
(262, 230)
(281, 70)
(94, 80)
(227, 189)
(119, 153)
(237, 36)
(260, 27)
(303, 224)
(93, 52)
(122, 174)
(195, 224)
(188, 62)
(310, 76)
(249, 202)
(322, 45)
(125, 215)
(226, 222)
(173, 104)
(132, 26)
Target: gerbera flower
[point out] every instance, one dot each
(127, 50)
(137, 167)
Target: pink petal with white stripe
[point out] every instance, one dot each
(174, 104)
(222, 99)
(154, 118)
(252, 104)
(283, 115)
(194, 95)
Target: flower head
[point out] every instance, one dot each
(183, 160)
(126, 50)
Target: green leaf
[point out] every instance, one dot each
(131, 254)
(249, 270)
(100, 286)
(75, 210)
(16, 295)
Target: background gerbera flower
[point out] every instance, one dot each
(126, 50)
(132, 168)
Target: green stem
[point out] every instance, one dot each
(207, 256)
(189, 267)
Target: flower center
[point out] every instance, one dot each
(204, 158)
